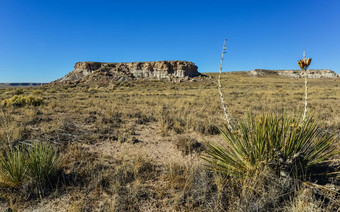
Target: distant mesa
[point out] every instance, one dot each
(21, 84)
(311, 73)
(92, 72)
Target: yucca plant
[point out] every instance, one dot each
(42, 163)
(12, 167)
(271, 140)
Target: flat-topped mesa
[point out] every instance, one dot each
(311, 73)
(103, 72)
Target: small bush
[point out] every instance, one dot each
(37, 92)
(13, 131)
(21, 101)
(12, 168)
(189, 145)
(52, 91)
(206, 128)
(18, 91)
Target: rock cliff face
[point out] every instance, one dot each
(312, 73)
(102, 72)
(21, 84)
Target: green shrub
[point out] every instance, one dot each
(37, 92)
(269, 140)
(18, 91)
(42, 164)
(12, 168)
(20, 101)
(52, 91)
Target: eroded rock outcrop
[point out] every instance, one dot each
(103, 72)
(312, 73)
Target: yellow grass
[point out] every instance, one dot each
(120, 142)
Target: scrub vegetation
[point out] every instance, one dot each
(162, 146)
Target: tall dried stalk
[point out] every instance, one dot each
(306, 97)
(304, 64)
(220, 88)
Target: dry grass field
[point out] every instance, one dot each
(137, 146)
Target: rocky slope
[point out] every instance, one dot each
(104, 72)
(312, 73)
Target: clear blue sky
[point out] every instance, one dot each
(40, 40)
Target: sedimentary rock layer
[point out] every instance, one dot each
(96, 71)
(312, 73)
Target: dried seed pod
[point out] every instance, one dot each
(300, 62)
(309, 61)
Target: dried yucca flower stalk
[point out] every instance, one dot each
(304, 64)
(220, 88)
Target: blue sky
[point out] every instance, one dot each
(41, 40)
